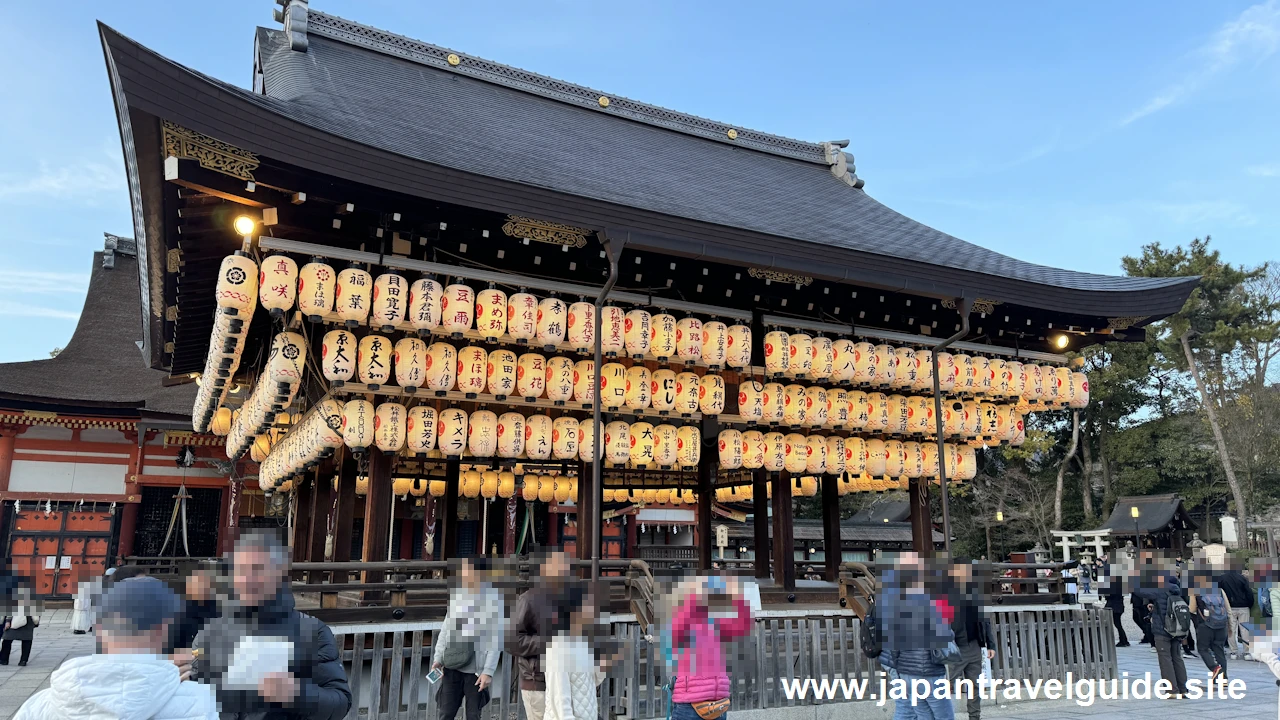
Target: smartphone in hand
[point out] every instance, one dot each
(435, 675)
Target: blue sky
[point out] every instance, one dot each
(1067, 135)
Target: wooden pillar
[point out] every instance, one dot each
(448, 539)
(921, 517)
(760, 499)
(832, 545)
(8, 444)
(509, 527)
(585, 508)
(133, 493)
(706, 495)
(321, 504)
(377, 512)
(301, 521)
(784, 557)
(344, 523)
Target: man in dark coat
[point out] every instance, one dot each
(532, 623)
(1114, 591)
(1240, 594)
(199, 606)
(1156, 595)
(972, 631)
(314, 684)
(19, 623)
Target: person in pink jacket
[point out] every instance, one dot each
(709, 613)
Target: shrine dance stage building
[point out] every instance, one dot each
(413, 162)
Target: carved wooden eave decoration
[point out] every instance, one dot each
(779, 276)
(1124, 323)
(545, 231)
(211, 153)
(979, 305)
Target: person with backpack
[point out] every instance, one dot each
(918, 640)
(469, 644)
(972, 630)
(1240, 599)
(1170, 624)
(1209, 613)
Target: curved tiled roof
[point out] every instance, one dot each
(102, 365)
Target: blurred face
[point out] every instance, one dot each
(467, 575)
(199, 587)
(557, 565)
(962, 572)
(257, 579)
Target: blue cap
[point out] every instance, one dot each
(141, 602)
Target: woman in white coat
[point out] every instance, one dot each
(572, 672)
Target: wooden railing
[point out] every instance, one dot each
(386, 664)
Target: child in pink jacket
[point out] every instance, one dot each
(696, 636)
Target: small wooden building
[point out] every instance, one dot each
(1154, 521)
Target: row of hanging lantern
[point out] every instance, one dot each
(834, 455)
(307, 440)
(274, 391)
(807, 486)
(483, 433)
(651, 496)
(236, 296)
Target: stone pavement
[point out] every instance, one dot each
(53, 643)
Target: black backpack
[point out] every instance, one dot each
(1177, 619)
(871, 640)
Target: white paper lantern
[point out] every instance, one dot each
(952, 418)
(971, 427)
(859, 410)
(582, 326)
(866, 367)
(1065, 389)
(420, 430)
(665, 442)
(1079, 390)
(353, 295)
(688, 446)
(617, 442)
(220, 425)
(753, 449)
(966, 463)
(990, 420)
(1050, 385)
(948, 372)
(983, 379)
(662, 390)
(613, 385)
(924, 371)
(637, 329)
(552, 323)
(929, 459)
(237, 289)
(390, 301)
(389, 427)
(442, 367)
(612, 331)
(738, 350)
(425, 296)
(642, 442)
(410, 363)
(815, 406)
(817, 455)
(457, 310)
(920, 415)
(886, 366)
(316, 283)
(564, 438)
(715, 344)
(711, 394)
(824, 359)
(838, 408)
(751, 400)
(559, 379)
(855, 456)
(796, 448)
(775, 453)
(999, 378)
(638, 386)
(730, 444)
(473, 363)
(899, 416)
(374, 360)
(511, 433)
(877, 412)
(876, 457)
(966, 378)
(584, 382)
(587, 442)
(506, 484)
(800, 346)
(662, 336)
(522, 317)
(795, 408)
(835, 459)
(288, 358)
(914, 459)
(1013, 369)
(774, 403)
(1007, 421)
(905, 367)
(482, 433)
(469, 484)
(689, 339)
(777, 353)
(688, 386)
(338, 355)
(357, 424)
(500, 373)
(842, 360)
(538, 433)
(531, 376)
(491, 314)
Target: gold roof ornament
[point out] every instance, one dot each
(1124, 323)
(211, 153)
(604, 101)
(733, 134)
(779, 276)
(978, 305)
(545, 231)
(454, 60)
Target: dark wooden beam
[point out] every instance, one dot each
(189, 174)
(301, 521)
(377, 512)
(321, 504)
(832, 545)
(760, 500)
(706, 496)
(784, 556)
(448, 539)
(586, 502)
(921, 517)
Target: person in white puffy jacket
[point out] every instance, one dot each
(129, 679)
(571, 669)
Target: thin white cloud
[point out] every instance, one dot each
(1207, 211)
(1253, 36)
(12, 309)
(1268, 170)
(39, 282)
(86, 181)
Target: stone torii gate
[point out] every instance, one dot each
(1067, 539)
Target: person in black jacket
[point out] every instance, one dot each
(1114, 592)
(314, 685)
(972, 631)
(199, 607)
(1156, 595)
(1240, 595)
